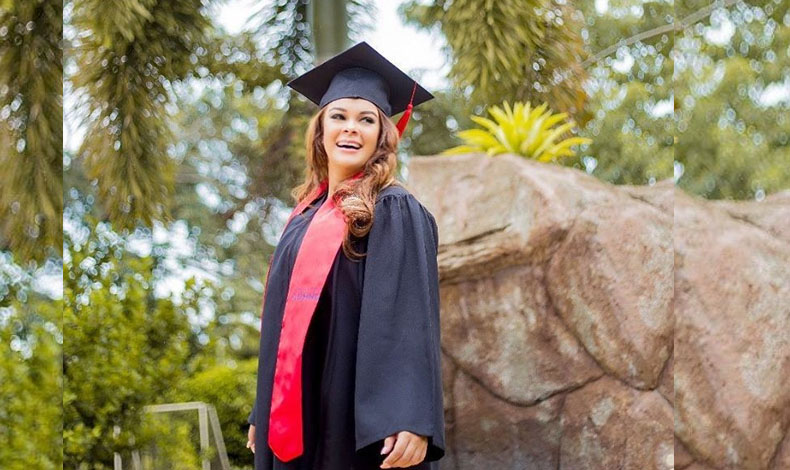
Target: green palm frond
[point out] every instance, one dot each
(31, 128)
(124, 68)
(516, 50)
(520, 130)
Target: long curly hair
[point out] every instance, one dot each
(357, 198)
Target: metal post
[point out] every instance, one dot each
(218, 440)
(116, 457)
(203, 419)
(136, 465)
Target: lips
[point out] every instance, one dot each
(346, 144)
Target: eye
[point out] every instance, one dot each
(336, 116)
(370, 120)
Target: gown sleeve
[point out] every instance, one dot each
(251, 418)
(398, 371)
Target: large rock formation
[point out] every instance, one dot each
(732, 331)
(558, 311)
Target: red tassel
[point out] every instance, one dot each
(404, 120)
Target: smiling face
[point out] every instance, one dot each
(351, 132)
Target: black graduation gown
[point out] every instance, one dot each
(371, 358)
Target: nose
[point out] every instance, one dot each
(350, 125)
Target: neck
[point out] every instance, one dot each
(336, 177)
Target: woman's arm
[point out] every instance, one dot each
(398, 378)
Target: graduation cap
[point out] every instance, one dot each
(361, 72)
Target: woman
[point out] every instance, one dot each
(349, 373)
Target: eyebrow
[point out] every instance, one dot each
(344, 110)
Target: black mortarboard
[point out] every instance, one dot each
(361, 72)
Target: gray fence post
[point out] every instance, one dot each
(208, 422)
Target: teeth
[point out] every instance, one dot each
(354, 146)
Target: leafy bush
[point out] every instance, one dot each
(31, 422)
(123, 347)
(231, 389)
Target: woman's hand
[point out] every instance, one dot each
(251, 438)
(409, 449)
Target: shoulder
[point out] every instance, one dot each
(393, 191)
(405, 201)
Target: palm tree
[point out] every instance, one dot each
(126, 55)
(516, 50)
(31, 128)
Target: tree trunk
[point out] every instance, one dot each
(329, 21)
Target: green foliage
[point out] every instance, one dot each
(31, 128)
(174, 441)
(237, 60)
(731, 144)
(124, 67)
(288, 32)
(632, 140)
(432, 125)
(248, 153)
(725, 141)
(31, 422)
(510, 49)
(630, 146)
(124, 348)
(521, 131)
(231, 389)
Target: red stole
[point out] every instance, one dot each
(316, 255)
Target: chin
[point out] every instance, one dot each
(352, 164)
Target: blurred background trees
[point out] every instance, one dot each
(732, 82)
(31, 128)
(31, 382)
(31, 208)
(124, 347)
(630, 90)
